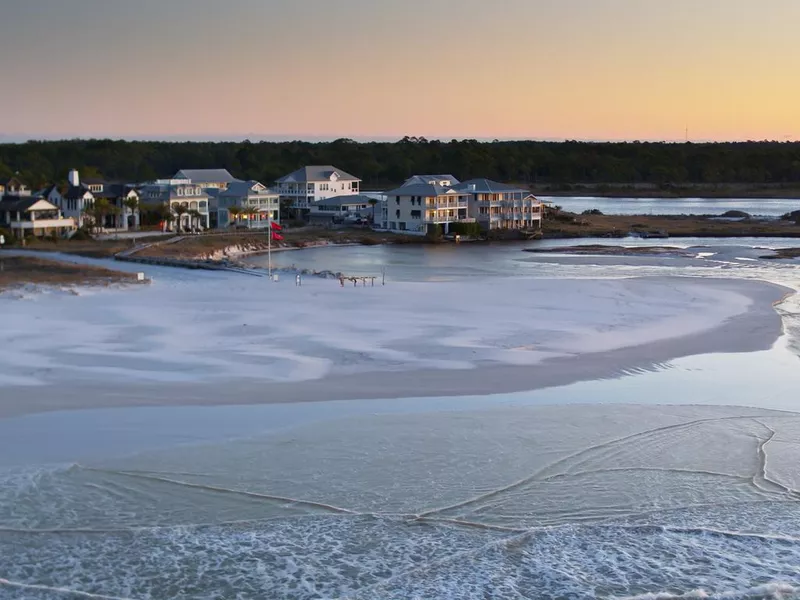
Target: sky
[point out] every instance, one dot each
(382, 69)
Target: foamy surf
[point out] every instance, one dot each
(574, 502)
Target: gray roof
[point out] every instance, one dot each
(316, 173)
(114, 190)
(44, 192)
(428, 178)
(487, 186)
(348, 200)
(240, 189)
(22, 203)
(423, 189)
(205, 175)
(76, 192)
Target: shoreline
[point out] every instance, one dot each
(755, 329)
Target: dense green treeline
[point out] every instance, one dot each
(383, 163)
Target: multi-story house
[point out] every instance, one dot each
(499, 206)
(77, 199)
(257, 205)
(81, 195)
(302, 188)
(218, 179)
(123, 197)
(187, 201)
(26, 215)
(417, 207)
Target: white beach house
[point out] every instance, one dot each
(188, 202)
(81, 195)
(500, 206)
(307, 185)
(256, 204)
(418, 206)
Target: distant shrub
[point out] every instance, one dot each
(792, 216)
(467, 229)
(81, 235)
(593, 211)
(434, 233)
(736, 214)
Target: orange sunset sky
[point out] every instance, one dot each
(373, 69)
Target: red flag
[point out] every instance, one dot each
(275, 226)
(277, 237)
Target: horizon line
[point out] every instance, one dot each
(283, 138)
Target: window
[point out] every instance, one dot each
(397, 200)
(416, 214)
(397, 213)
(180, 191)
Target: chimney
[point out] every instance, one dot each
(74, 178)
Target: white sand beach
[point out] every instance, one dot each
(217, 337)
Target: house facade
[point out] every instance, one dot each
(342, 208)
(302, 188)
(187, 201)
(499, 206)
(80, 197)
(418, 207)
(256, 204)
(31, 215)
(76, 200)
(123, 197)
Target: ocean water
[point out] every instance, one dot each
(679, 481)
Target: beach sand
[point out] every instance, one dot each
(210, 338)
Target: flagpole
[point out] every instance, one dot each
(269, 244)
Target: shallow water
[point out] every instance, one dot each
(767, 207)
(681, 479)
(450, 261)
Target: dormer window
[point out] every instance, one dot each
(180, 191)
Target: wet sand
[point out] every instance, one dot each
(755, 329)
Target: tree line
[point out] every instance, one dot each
(381, 164)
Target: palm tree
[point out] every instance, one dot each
(235, 211)
(180, 210)
(132, 204)
(373, 202)
(196, 217)
(250, 211)
(97, 212)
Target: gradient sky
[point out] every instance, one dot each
(544, 69)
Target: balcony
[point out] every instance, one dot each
(42, 224)
(443, 219)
